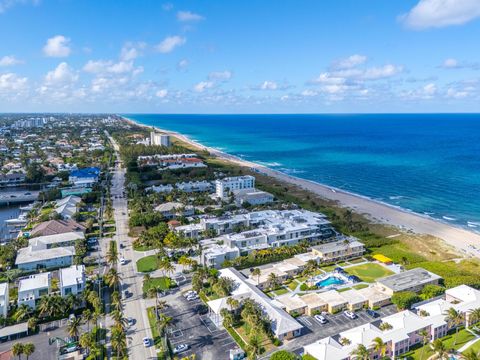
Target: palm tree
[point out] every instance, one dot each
(162, 323)
(471, 355)
(345, 341)
(425, 339)
(273, 280)
(28, 349)
(17, 350)
(257, 272)
(112, 278)
(360, 353)
(232, 303)
(112, 253)
(120, 321)
(22, 312)
(454, 319)
(439, 349)
(227, 318)
(379, 346)
(73, 327)
(87, 317)
(253, 346)
(118, 341)
(474, 316)
(166, 266)
(32, 323)
(86, 341)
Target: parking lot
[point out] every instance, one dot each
(205, 340)
(337, 323)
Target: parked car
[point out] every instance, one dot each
(192, 297)
(122, 246)
(126, 294)
(190, 293)
(201, 309)
(130, 321)
(123, 261)
(146, 342)
(321, 319)
(350, 314)
(372, 313)
(180, 348)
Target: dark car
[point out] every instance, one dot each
(201, 309)
(372, 313)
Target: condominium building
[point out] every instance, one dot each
(159, 139)
(32, 288)
(223, 186)
(283, 325)
(4, 299)
(342, 249)
(410, 280)
(32, 258)
(72, 280)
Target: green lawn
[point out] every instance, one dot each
(163, 282)
(293, 285)
(475, 347)
(147, 264)
(369, 272)
(360, 286)
(424, 352)
(344, 289)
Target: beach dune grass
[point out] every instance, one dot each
(147, 264)
(369, 272)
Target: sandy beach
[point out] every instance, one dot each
(465, 241)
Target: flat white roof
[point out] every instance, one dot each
(33, 282)
(72, 275)
(3, 288)
(27, 255)
(57, 238)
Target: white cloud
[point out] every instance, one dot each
(441, 13)
(62, 74)
(430, 89)
(269, 85)
(128, 53)
(327, 78)
(11, 82)
(382, 72)
(103, 67)
(350, 62)
(182, 64)
(203, 85)
(450, 64)
(57, 46)
(457, 94)
(10, 60)
(7, 4)
(309, 92)
(170, 43)
(220, 75)
(186, 16)
(162, 93)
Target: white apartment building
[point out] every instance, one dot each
(195, 186)
(4, 299)
(72, 280)
(56, 240)
(32, 288)
(32, 258)
(252, 197)
(270, 228)
(406, 327)
(223, 186)
(159, 139)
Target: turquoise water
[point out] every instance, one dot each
(426, 163)
(331, 280)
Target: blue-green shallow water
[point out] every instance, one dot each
(428, 163)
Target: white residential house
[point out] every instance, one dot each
(223, 186)
(56, 240)
(4, 299)
(67, 207)
(172, 210)
(32, 258)
(72, 280)
(32, 288)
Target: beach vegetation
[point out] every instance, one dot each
(405, 299)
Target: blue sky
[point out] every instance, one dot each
(248, 56)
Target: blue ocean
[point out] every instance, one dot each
(425, 163)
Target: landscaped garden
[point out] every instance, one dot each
(369, 272)
(147, 264)
(162, 283)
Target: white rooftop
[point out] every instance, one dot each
(33, 282)
(27, 255)
(72, 275)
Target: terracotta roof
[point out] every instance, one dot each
(54, 227)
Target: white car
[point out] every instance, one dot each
(190, 293)
(123, 261)
(321, 319)
(146, 342)
(192, 297)
(350, 314)
(130, 321)
(180, 348)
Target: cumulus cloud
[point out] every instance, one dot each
(350, 62)
(455, 64)
(186, 16)
(10, 60)
(220, 75)
(162, 93)
(182, 64)
(203, 85)
(309, 92)
(11, 82)
(102, 66)
(170, 43)
(57, 46)
(441, 13)
(62, 74)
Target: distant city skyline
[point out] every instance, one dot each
(289, 56)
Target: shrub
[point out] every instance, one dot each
(283, 355)
(405, 299)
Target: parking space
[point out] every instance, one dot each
(204, 339)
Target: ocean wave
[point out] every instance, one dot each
(266, 163)
(292, 171)
(449, 218)
(396, 197)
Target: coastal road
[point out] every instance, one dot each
(134, 304)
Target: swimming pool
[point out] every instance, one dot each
(331, 280)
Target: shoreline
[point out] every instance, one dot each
(376, 211)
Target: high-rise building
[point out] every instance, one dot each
(159, 139)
